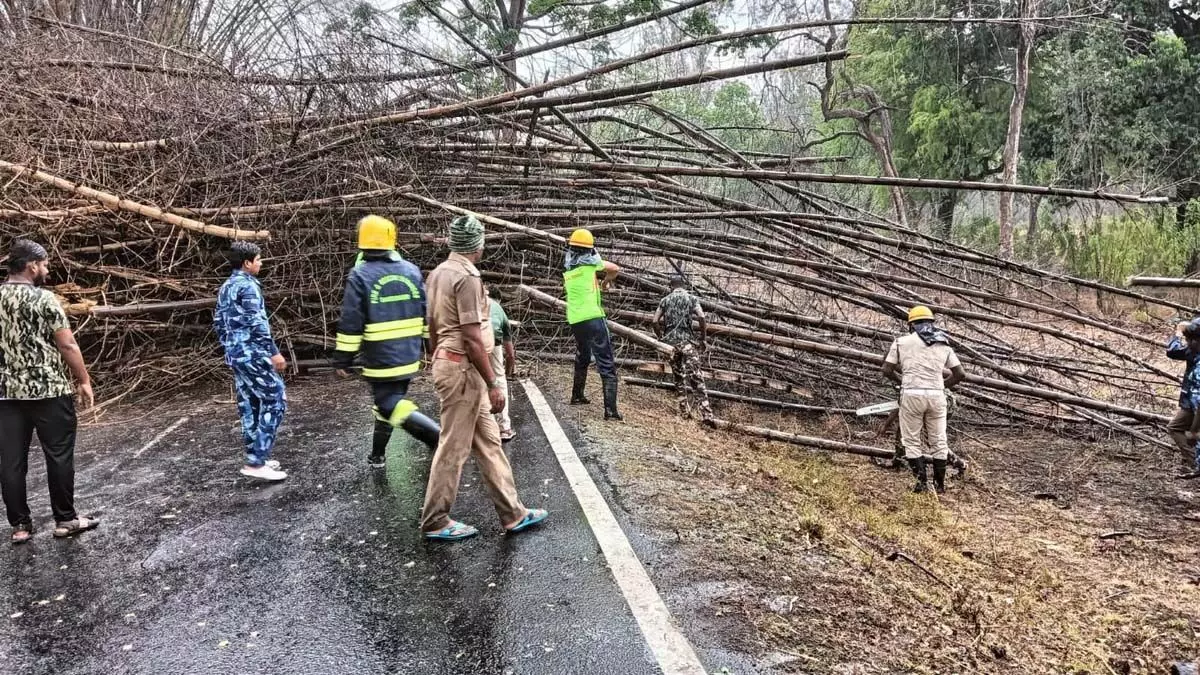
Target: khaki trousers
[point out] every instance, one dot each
(1178, 428)
(467, 430)
(497, 358)
(923, 417)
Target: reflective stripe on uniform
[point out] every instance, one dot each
(397, 371)
(403, 409)
(348, 343)
(400, 413)
(393, 330)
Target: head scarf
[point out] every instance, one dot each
(575, 256)
(466, 234)
(930, 334)
(23, 252)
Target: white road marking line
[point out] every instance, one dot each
(154, 441)
(671, 649)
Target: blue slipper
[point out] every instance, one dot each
(532, 518)
(453, 532)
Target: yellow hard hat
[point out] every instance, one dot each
(376, 233)
(920, 313)
(582, 238)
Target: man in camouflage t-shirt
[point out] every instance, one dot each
(36, 394)
(673, 323)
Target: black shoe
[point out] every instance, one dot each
(377, 461)
(577, 385)
(939, 476)
(423, 429)
(918, 469)
(610, 399)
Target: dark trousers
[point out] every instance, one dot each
(388, 397)
(54, 421)
(593, 341)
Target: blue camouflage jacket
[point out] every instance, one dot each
(240, 321)
(1189, 393)
(383, 318)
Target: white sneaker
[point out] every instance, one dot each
(263, 472)
(273, 464)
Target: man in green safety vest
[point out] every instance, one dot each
(383, 320)
(585, 314)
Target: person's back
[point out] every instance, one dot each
(36, 395)
(921, 365)
(678, 308)
(916, 361)
(582, 289)
(585, 315)
(391, 298)
(240, 321)
(31, 366)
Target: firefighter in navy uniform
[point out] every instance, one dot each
(383, 321)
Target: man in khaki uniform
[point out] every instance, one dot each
(460, 331)
(917, 361)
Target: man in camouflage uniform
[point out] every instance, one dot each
(38, 360)
(673, 324)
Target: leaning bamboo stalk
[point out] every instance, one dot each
(1175, 282)
(764, 402)
(288, 207)
(484, 218)
(115, 202)
(806, 441)
(842, 179)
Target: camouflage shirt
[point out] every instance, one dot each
(31, 366)
(241, 321)
(677, 309)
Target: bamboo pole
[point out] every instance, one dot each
(806, 441)
(844, 179)
(115, 202)
(765, 402)
(1176, 282)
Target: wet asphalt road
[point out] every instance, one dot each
(198, 570)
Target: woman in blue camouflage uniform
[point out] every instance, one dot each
(242, 327)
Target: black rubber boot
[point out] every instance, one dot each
(939, 476)
(918, 468)
(577, 385)
(379, 443)
(610, 399)
(423, 429)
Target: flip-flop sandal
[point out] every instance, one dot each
(453, 532)
(71, 528)
(532, 518)
(22, 533)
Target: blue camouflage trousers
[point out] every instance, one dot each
(261, 401)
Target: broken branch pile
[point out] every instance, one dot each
(138, 163)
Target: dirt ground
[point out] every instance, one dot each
(1054, 556)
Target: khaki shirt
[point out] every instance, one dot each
(921, 365)
(456, 298)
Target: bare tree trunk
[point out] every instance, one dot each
(1016, 111)
(1031, 232)
(874, 124)
(946, 203)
